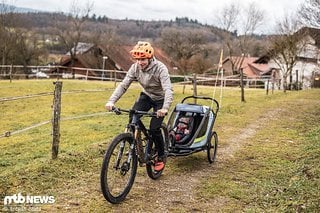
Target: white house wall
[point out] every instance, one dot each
(306, 69)
(305, 73)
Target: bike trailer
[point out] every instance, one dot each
(190, 125)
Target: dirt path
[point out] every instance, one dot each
(178, 192)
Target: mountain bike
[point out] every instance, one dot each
(121, 159)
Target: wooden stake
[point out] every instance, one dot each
(195, 87)
(11, 67)
(56, 119)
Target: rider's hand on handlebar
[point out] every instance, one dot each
(109, 106)
(162, 112)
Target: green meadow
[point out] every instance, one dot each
(276, 169)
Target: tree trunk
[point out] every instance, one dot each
(297, 80)
(285, 84)
(290, 81)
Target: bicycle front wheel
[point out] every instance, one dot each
(119, 168)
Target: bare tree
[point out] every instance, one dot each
(286, 46)
(244, 21)
(228, 17)
(309, 13)
(28, 51)
(182, 45)
(252, 19)
(17, 45)
(70, 28)
(199, 64)
(227, 20)
(6, 22)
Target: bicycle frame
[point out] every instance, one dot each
(136, 127)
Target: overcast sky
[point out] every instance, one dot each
(202, 10)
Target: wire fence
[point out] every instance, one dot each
(12, 72)
(11, 133)
(55, 119)
(5, 99)
(44, 72)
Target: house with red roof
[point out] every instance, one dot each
(92, 60)
(253, 67)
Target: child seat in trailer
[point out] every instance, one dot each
(190, 127)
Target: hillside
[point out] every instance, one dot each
(18, 9)
(128, 30)
(111, 32)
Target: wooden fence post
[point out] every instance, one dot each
(56, 119)
(87, 73)
(195, 87)
(58, 74)
(11, 67)
(115, 78)
(242, 85)
(184, 85)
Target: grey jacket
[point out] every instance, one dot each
(155, 81)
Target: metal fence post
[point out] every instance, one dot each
(56, 119)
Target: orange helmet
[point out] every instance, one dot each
(142, 50)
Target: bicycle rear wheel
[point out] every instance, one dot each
(119, 168)
(152, 154)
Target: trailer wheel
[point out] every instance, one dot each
(212, 146)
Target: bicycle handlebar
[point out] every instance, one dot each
(133, 111)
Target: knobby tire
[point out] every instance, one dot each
(117, 182)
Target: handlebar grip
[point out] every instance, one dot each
(116, 110)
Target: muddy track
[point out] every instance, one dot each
(179, 192)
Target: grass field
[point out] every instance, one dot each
(276, 169)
